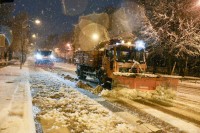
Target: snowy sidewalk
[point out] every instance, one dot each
(16, 103)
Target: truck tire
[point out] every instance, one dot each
(102, 77)
(108, 83)
(83, 77)
(80, 73)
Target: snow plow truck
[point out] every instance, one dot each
(44, 58)
(115, 63)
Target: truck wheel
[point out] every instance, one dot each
(108, 83)
(102, 77)
(82, 77)
(80, 74)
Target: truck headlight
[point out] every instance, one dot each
(52, 57)
(38, 56)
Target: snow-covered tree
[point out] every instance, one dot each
(20, 31)
(176, 25)
(21, 36)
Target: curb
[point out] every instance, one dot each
(29, 113)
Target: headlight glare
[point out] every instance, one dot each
(52, 57)
(38, 56)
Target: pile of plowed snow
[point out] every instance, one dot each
(95, 90)
(67, 110)
(161, 93)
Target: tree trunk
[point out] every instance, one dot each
(154, 66)
(173, 68)
(169, 65)
(182, 67)
(22, 50)
(186, 66)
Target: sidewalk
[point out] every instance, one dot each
(15, 101)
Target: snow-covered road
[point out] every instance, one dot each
(53, 81)
(64, 109)
(188, 112)
(60, 106)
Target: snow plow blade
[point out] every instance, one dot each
(144, 81)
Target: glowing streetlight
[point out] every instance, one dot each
(129, 43)
(68, 45)
(37, 21)
(95, 37)
(34, 36)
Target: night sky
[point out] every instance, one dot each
(59, 16)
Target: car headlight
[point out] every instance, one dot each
(38, 56)
(52, 57)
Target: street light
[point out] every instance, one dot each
(68, 45)
(95, 37)
(37, 21)
(129, 43)
(34, 36)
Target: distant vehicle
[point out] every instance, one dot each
(44, 58)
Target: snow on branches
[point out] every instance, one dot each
(175, 26)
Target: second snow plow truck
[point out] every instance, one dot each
(119, 64)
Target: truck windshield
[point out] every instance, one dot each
(45, 53)
(128, 54)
